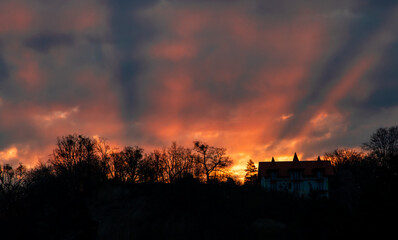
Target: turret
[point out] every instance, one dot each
(295, 158)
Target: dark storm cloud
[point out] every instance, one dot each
(384, 94)
(23, 134)
(45, 41)
(3, 69)
(128, 34)
(365, 22)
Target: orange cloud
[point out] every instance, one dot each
(225, 74)
(8, 154)
(29, 72)
(100, 114)
(347, 82)
(243, 27)
(83, 17)
(15, 17)
(208, 51)
(173, 51)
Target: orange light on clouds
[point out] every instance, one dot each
(83, 16)
(224, 73)
(9, 153)
(196, 45)
(26, 155)
(15, 16)
(49, 118)
(285, 117)
(173, 51)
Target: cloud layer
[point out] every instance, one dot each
(261, 78)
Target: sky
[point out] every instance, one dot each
(261, 78)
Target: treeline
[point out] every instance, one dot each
(55, 199)
(369, 173)
(366, 182)
(83, 163)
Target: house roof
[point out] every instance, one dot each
(283, 168)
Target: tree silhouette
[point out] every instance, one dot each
(343, 156)
(126, 163)
(179, 163)
(211, 159)
(12, 183)
(151, 168)
(251, 173)
(383, 146)
(75, 159)
(104, 152)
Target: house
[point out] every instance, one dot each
(302, 178)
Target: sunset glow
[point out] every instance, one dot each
(259, 80)
(8, 154)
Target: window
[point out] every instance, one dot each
(295, 175)
(273, 174)
(320, 182)
(319, 174)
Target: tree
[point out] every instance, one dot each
(344, 157)
(383, 146)
(75, 160)
(104, 152)
(126, 163)
(12, 183)
(178, 163)
(251, 173)
(40, 175)
(355, 176)
(211, 159)
(151, 168)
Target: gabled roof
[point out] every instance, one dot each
(308, 168)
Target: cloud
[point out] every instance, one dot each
(261, 78)
(286, 117)
(53, 116)
(9, 153)
(45, 41)
(15, 17)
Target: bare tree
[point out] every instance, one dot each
(343, 156)
(126, 163)
(211, 159)
(151, 169)
(75, 159)
(178, 163)
(383, 146)
(104, 152)
(12, 183)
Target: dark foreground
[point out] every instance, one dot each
(188, 210)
